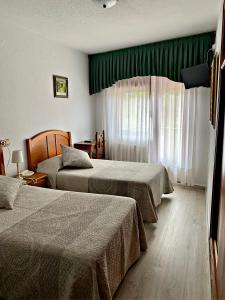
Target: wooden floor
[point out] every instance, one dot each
(176, 264)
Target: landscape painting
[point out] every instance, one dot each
(60, 86)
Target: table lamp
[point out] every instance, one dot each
(17, 158)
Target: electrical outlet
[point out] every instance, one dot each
(5, 142)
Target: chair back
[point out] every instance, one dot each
(100, 145)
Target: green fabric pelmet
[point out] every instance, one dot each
(164, 59)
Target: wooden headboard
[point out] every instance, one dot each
(45, 145)
(2, 165)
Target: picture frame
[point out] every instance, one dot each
(60, 86)
(214, 89)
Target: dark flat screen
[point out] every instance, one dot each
(196, 76)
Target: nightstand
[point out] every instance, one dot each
(88, 147)
(95, 149)
(37, 179)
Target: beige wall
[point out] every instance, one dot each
(27, 105)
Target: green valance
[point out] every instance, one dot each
(164, 59)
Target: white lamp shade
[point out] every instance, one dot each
(17, 156)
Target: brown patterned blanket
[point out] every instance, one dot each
(63, 245)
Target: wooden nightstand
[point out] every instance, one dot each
(95, 149)
(37, 179)
(88, 147)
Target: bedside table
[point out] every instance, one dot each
(37, 179)
(88, 147)
(96, 148)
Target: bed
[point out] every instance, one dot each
(67, 245)
(144, 182)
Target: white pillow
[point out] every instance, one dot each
(75, 158)
(51, 167)
(9, 188)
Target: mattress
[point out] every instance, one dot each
(65, 245)
(142, 181)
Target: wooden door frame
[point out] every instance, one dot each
(213, 268)
(219, 142)
(217, 176)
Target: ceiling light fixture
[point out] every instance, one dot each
(106, 3)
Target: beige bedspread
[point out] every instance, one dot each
(63, 245)
(144, 182)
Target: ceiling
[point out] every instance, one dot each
(83, 25)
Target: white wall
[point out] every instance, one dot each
(202, 137)
(27, 105)
(212, 136)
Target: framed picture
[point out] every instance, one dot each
(214, 89)
(60, 86)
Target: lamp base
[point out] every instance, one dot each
(19, 175)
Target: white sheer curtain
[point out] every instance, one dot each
(127, 111)
(173, 111)
(152, 119)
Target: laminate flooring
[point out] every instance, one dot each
(176, 264)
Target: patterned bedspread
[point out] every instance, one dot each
(63, 245)
(141, 181)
